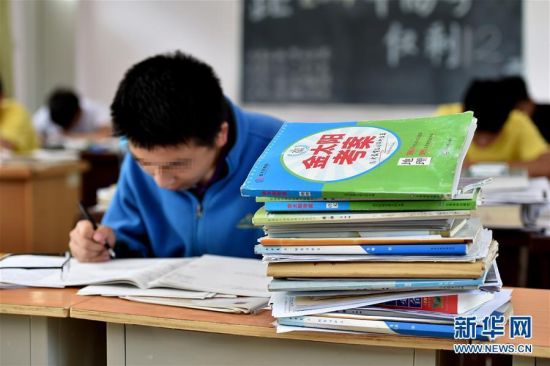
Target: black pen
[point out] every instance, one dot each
(94, 225)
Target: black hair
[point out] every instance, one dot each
(1, 87)
(491, 102)
(169, 100)
(64, 106)
(516, 87)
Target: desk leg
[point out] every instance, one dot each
(15, 340)
(34, 340)
(116, 349)
(425, 357)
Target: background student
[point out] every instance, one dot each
(16, 130)
(539, 113)
(190, 149)
(504, 133)
(68, 115)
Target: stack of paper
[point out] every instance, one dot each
(512, 200)
(368, 228)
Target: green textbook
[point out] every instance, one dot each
(409, 159)
(371, 205)
(262, 217)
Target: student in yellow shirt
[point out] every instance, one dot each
(503, 133)
(537, 112)
(16, 130)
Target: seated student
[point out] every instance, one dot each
(178, 193)
(541, 117)
(16, 131)
(66, 115)
(503, 133)
(539, 113)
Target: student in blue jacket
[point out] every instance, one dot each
(190, 149)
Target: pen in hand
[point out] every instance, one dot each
(90, 218)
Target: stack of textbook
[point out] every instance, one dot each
(369, 228)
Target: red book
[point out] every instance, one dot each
(450, 304)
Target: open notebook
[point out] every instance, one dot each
(207, 282)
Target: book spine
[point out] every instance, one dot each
(340, 195)
(373, 326)
(407, 249)
(440, 304)
(470, 270)
(311, 206)
(307, 206)
(255, 173)
(269, 241)
(264, 218)
(320, 285)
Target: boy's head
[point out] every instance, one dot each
(168, 100)
(517, 88)
(490, 102)
(171, 109)
(64, 108)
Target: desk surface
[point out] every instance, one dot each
(26, 170)
(39, 301)
(65, 302)
(115, 310)
(526, 302)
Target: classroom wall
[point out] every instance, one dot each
(112, 35)
(44, 48)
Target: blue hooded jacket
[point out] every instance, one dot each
(154, 222)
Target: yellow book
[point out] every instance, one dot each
(384, 269)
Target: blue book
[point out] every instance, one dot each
(406, 249)
(340, 206)
(378, 285)
(416, 329)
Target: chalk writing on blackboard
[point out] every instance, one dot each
(390, 51)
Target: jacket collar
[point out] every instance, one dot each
(241, 127)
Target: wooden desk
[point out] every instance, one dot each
(161, 334)
(537, 304)
(38, 205)
(152, 334)
(35, 329)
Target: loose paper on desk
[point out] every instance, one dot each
(226, 275)
(139, 272)
(33, 261)
(10, 277)
(129, 290)
(227, 305)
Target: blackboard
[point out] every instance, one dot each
(376, 51)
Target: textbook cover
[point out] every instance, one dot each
(410, 159)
